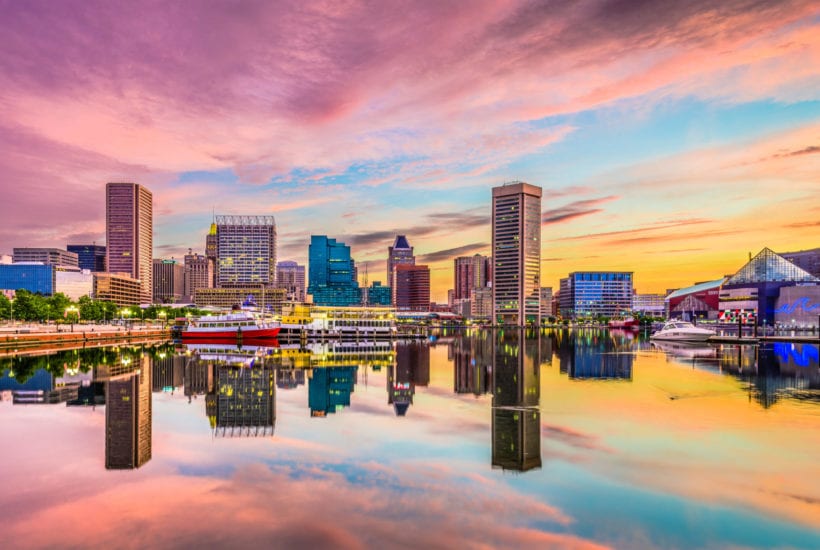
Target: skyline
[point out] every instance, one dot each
(669, 140)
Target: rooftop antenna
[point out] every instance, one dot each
(366, 292)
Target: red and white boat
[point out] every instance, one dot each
(234, 327)
(627, 323)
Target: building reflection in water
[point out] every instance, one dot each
(516, 418)
(472, 363)
(128, 413)
(595, 354)
(243, 402)
(411, 369)
(329, 389)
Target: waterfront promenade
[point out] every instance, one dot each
(33, 335)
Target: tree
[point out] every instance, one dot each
(5, 307)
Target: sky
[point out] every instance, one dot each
(670, 138)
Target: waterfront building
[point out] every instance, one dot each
(376, 295)
(470, 273)
(74, 283)
(90, 256)
(401, 253)
(168, 278)
(211, 246)
(45, 256)
(699, 301)
(128, 418)
(329, 389)
(267, 299)
(516, 417)
(750, 294)
(331, 273)
(118, 288)
(652, 305)
(246, 251)
(34, 277)
(291, 277)
(516, 246)
(591, 294)
(546, 302)
(199, 273)
(411, 287)
(129, 229)
(807, 260)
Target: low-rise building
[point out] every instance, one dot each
(119, 288)
(47, 256)
(269, 299)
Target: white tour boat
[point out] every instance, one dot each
(682, 331)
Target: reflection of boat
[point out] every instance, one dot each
(628, 323)
(688, 350)
(230, 354)
(239, 326)
(682, 331)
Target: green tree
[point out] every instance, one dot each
(5, 307)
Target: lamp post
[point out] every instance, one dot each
(72, 311)
(163, 315)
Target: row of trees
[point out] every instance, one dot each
(28, 306)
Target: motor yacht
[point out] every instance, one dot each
(682, 331)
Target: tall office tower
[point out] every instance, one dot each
(211, 245)
(291, 277)
(129, 229)
(470, 273)
(47, 256)
(91, 256)
(401, 253)
(516, 253)
(330, 270)
(246, 251)
(169, 278)
(411, 287)
(128, 418)
(199, 273)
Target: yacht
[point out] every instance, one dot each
(682, 331)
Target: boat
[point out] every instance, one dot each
(240, 326)
(231, 354)
(338, 322)
(627, 323)
(682, 331)
(686, 349)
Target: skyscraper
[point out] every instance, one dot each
(516, 253)
(400, 253)
(291, 277)
(470, 273)
(199, 273)
(91, 256)
(246, 251)
(128, 418)
(129, 229)
(210, 251)
(411, 287)
(330, 269)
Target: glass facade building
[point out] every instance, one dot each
(411, 287)
(516, 273)
(32, 277)
(400, 253)
(246, 250)
(590, 294)
(331, 279)
(129, 229)
(90, 256)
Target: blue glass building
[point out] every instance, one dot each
(91, 256)
(593, 294)
(332, 280)
(378, 295)
(32, 277)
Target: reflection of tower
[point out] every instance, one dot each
(287, 379)
(168, 373)
(516, 421)
(412, 368)
(330, 388)
(199, 378)
(244, 402)
(128, 418)
(472, 358)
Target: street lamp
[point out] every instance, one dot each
(163, 315)
(72, 311)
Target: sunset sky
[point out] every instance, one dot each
(670, 138)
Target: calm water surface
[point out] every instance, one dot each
(485, 439)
